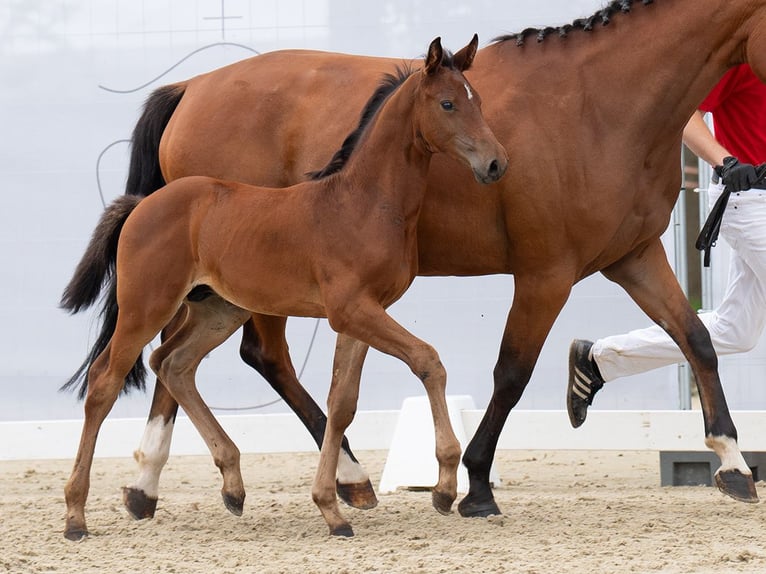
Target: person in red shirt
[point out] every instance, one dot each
(738, 106)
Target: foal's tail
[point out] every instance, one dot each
(144, 178)
(97, 268)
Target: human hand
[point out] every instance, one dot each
(737, 176)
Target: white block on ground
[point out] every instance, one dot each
(411, 461)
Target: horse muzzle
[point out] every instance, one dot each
(491, 171)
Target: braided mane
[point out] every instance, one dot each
(604, 16)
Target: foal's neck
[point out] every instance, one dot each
(391, 162)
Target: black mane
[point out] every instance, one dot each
(585, 24)
(388, 86)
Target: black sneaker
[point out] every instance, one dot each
(584, 381)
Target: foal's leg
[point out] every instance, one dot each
(341, 406)
(140, 498)
(367, 321)
(537, 301)
(208, 324)
(264, 348)
(106, 378)
(649, 280)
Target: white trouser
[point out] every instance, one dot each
(735, 326)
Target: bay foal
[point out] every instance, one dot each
(342, 246)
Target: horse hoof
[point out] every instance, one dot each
(138, 504)
(234, 504)
(345, 530)
(75, 534)
(737, 485)
(442, 502)
(359, 495)
(470, 508)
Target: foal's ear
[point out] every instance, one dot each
(464, 58)
(434, 57)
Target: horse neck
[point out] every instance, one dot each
(664, 56)
(390, 163)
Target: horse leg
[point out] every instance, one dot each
(341, 406)
(264, 348)
(208, 324)
(106, 378)
(369, 323)
(649, 280)
(537, 302)
(140, 498)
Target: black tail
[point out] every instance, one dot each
(144, 178)
(97, 264)
(144, 174)
(95, 269)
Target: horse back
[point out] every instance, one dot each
(271, 118)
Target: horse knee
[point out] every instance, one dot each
(250, 350)
(104, 383)
(699, 340)
(510, 380)
(156, 359)
(169, 371)
(428, 367)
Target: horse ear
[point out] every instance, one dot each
(464, 58)
(434, 57)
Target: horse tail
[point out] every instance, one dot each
(144, 173)
(97, 268)
(97, 264)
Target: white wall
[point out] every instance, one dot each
(57, 118)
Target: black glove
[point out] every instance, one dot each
(735, 175)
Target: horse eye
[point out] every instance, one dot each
(447, 105)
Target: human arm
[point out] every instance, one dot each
(698, 137)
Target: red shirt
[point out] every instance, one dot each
(738, 105)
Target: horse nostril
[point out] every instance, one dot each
(494, 168)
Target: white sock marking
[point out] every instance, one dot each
(728, 451)
(350, 472)
(152, 454)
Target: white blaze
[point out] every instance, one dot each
(468, 91)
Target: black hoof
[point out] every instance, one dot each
(442, 502)
(737, 485)
(76, 534)
(360, 495)
(346, 531)
(138, 504)
(234, 504)
(471, 508)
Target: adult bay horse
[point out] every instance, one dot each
(598, 110)
(341, 246)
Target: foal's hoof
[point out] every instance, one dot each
(75, 534)
(737, 485)
(359, 495)
(442, 502)
(234, 504)
(138, 504)
(470, 507)
(344, 530)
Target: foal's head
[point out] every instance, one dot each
(448, 113)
